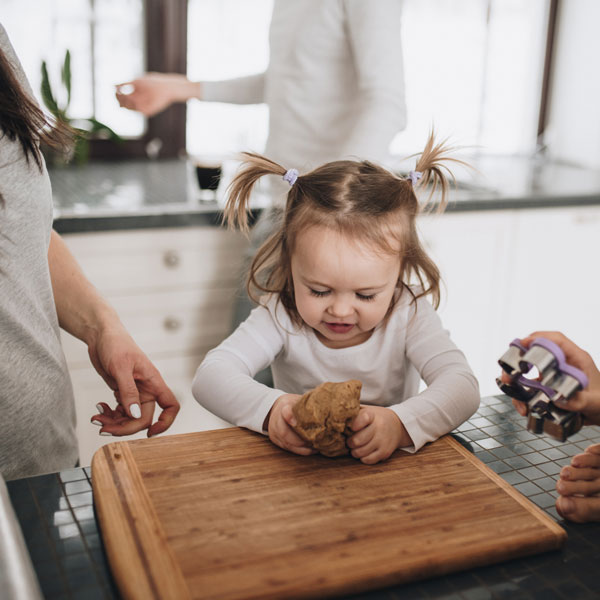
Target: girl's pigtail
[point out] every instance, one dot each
(432, 169)
(240, 189)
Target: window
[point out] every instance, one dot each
(573, 132)
(104, 38)
(226, 38)
(110, 41)
(474, 69)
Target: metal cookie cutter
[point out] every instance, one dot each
(557, 380)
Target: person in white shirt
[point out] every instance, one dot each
(334, 84)
(339, 305)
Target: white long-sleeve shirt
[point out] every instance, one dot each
(411, 343)
(334, 84)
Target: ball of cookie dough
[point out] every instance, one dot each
(324, 415)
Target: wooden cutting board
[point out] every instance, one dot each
(226, 514)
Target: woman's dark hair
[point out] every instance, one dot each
(22, 120)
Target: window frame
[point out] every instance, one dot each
(549, 58)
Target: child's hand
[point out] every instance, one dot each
(281, 419)
(379, 432)
(579, 487)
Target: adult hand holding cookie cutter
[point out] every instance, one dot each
(557, 381)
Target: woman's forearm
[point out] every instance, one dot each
(80, 308)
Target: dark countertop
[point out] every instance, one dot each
(142, 194)
(56, 514)
(128, 195)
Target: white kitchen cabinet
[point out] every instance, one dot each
(174, 290)
(554, 275)
(472, 251)
(508, 273)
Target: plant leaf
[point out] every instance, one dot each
(46, 91)
(81, 151)
(99, 127)
(66, 77)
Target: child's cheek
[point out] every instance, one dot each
(305, 310)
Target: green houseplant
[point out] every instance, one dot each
(85, 129)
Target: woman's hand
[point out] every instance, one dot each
(279, 425)
(378, 432)
(126, 369)
(587, 401)
(136, 383)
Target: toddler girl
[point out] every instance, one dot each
(345, 281)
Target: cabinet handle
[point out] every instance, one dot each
(171, 258)
(172, 324)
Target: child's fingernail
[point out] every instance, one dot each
(105, 433)
(100, 408)
(135, 411)
(95, 422)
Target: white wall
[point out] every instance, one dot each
(573, 133)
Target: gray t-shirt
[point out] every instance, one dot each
(37, 411)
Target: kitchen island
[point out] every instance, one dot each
(56, 514)
(108, 210)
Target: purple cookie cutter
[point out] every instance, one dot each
(561, 365)
(558, 380)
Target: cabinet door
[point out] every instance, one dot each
(471, 251)
(168, 321)
(119, 263)
(555, 283)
